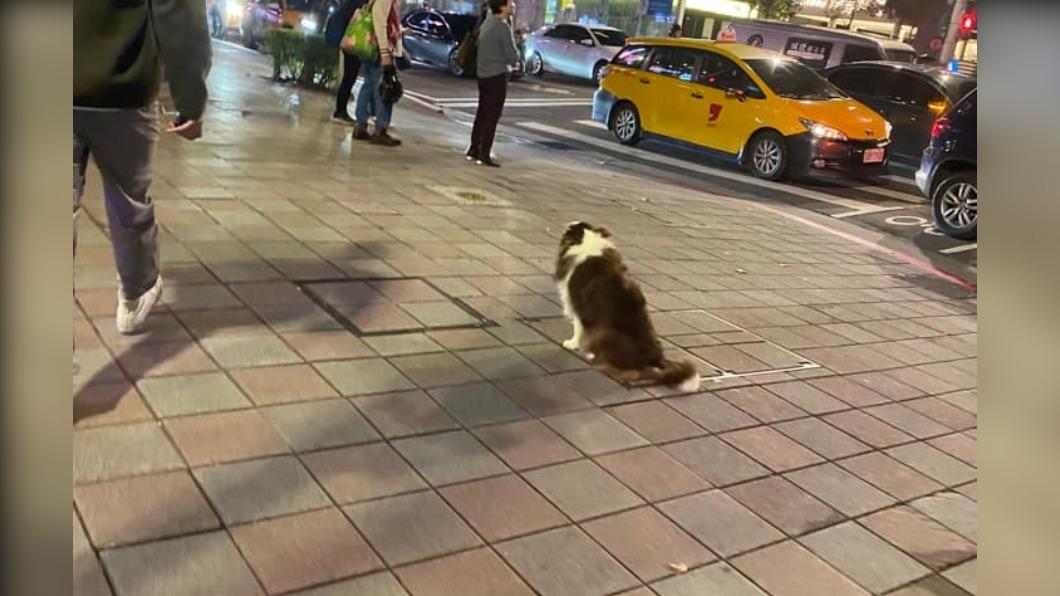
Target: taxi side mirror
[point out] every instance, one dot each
(739, 94)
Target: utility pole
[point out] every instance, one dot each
(950, 43)
(680, 12)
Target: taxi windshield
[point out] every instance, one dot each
(791, 79)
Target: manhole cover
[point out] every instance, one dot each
(471, 196)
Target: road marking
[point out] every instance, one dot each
(958, 249)
(881, 191)
(532, 103)
(717, 173)
(236, 46)
(592, 124)
(865, 212)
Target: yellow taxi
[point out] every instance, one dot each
(768, 112)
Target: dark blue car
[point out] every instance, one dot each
(947, 174)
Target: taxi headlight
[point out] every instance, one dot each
(887, 129)
(821, 131)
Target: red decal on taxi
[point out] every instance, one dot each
(715, 111)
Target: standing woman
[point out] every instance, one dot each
(496, 57)
(369, 98)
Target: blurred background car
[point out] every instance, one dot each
(947, 174)
(432, 37)
(814, 46)
(260, 16)
(909, 96)
(575, 50)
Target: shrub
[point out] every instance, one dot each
(306, 60)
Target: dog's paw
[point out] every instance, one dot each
(570, 344)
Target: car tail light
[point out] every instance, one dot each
(941, 125)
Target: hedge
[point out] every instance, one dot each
(306, 60)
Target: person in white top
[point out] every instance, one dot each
(369, 101)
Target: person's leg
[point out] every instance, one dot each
(366, 97)
(476, 128)
(350, 66)
(383, 109)
(498, 91)
(80, 164)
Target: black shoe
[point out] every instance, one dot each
(360, 132)
(486, 161)
(343, 119)
(384, 139)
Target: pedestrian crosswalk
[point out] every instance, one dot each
(510, 102)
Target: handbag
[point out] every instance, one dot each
(467, 53)
(390, 87)
(359, 38)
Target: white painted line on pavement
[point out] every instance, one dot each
(864, 212)
(430, 106)
(522, 104)
(715, 172)
(890, 193)
(237, 46)
(958, 249)
(592, 124)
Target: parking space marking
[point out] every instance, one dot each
(959, 249)
(866, 211)
(717, 173)
(883, 191)
(592, 124)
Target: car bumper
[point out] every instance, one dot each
(923, 175)
(811, 155)
(603, 101)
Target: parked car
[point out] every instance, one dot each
(814, 46)
(261, 16)
(433, 37)
(767, 112)
(909, 96)
(572, 49)
(947, 174)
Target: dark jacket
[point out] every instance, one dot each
(120, 47)
(339, 20)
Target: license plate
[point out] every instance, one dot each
(873, 155)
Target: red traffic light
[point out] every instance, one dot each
(968, 22)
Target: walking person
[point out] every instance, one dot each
(119, 51)
(333, 32)
(495, 59)
(370, 101)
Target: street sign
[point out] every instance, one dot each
(660, 7)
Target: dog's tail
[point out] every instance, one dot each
(681, 374)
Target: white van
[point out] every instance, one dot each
(816, 47)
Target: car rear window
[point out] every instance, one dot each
(901, 56)
(860, 53)
(608, 37)
(631, 56)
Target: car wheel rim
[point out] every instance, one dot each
(535, 64)
(960, 205)
(767, 157)
(625, 124)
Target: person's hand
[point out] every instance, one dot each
(189, 129)
(387, 59)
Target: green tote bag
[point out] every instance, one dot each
(359, 38)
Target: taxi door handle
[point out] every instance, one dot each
(645, 81)
(697, 95)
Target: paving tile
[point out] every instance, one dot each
(143, 508)
(788, 569)
(930, 461)
(499, 363)
(544, 396)
(565, 561)
(944, 412)
(472, 573)
(652, 473)
(115, 451)
(553, 358)
(405, 413)
(952, 510)
(361, 377)
(298, 319)
(526, 444)
(224, 436)
(112, 402)
(86, 572)
(164, 358)
(304, 549)
(656, 421)
(918, 535)
(96, 365)
(601, 389)
(281, 384)
(239, 352)
(463, 339)
(771, 448)
(807, 397)
(784, 505)
(315, 346)
(647, 543)
(868, 560)
(353, 474)
(409, 528)
(761, 404)
(439, 314)
(958, 445)
(348, 293)
(841, 489)
(270, 293)
(478, 403)
(191, 394)
(252, 490)
(888, 386)
(964, 575)
(188, 566)
(435, 370)
(902, 418)
(827, 441)
(226, 322)
(379, 318)
(515, 333)
(159, 327)
(402, 344)
(969, 490)
(867, 429)
(711, 412)
(407, 290)
(594, 431)
(320, 424)
(891, 476)
(720, 522)
(449, 457)
(582, 489)
(382, 583)
(502, 507)
(718, 578)
(931, 586)
(855, 394)
(197, 297)
(715, 460)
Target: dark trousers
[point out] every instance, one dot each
(350, 66)
(491, 94)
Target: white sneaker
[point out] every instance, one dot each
(132, 313)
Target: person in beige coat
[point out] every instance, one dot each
(369, 100)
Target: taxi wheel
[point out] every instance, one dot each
(767, 155)
(625, 124)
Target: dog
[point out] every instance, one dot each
(609, 314)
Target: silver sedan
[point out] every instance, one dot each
(572, 49)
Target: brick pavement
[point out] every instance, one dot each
(355, 385)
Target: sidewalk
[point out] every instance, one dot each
(356, 387)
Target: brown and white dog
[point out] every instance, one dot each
(609, 314)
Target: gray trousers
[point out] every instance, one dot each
(122, 143)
